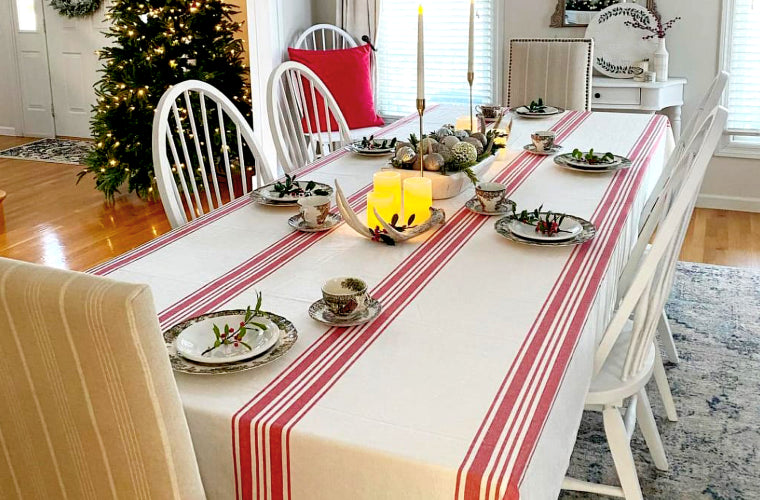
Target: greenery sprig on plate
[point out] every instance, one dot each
(537, 106)
(292, 188)
(235, 336)
(591, 158)
(547, 223)
(373, 143)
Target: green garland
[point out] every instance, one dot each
(75, 8)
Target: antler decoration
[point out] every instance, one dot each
(437, 216)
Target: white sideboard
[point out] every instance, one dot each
(614, 94)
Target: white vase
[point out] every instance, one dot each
(661, 59)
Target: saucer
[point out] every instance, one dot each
(531, 148)
(505, 207)
(298, 223)
(319, 311)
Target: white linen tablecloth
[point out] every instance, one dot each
(469, 385)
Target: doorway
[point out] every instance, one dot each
(56, 66)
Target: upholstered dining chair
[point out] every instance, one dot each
(628, 355)
(214, 156)
(324, 37)
(301, 113)
(90, 408)
(558, 70)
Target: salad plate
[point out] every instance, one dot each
(373, 147)
(268, 195)
(287, 336)
(193, 342)
(542, 112)
(504, 226)
(568, 230)
(616, 162)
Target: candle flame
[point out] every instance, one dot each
(420, 9)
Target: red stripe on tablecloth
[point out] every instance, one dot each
(258, 267)
(610, 217)
(556, 375)
(352, 341)
(562, 288)
(206, 219)
(574, 276)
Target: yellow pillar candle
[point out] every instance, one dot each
(384, 205)
(388, 182)
(463, 122)
(418, 198)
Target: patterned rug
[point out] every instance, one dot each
(713, 450)
(51, 150)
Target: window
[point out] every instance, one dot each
(446, 35)
(741, 58)
(26, 15)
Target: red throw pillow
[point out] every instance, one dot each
(346, 73)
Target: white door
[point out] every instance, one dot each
(34, 76)
(72, 46)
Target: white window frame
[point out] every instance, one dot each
(729, 147)
(497, 57)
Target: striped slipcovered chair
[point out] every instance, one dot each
(556, 69)
(90, 408)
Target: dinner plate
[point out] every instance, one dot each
(199, 336)
(567, 161)
(618, 46)
(571, 160)
(265, 195)
(356, 147)
(569, 228)
(526, 113)
(502, 227)
(287, 338)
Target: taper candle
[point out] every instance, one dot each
(384, 205)
(471, 46)
(418, 198)
(420, 58)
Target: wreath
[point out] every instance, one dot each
(75, 8)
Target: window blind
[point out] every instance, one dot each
(743, 96)
(446, 39)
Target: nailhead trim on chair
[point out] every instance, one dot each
(589, 61)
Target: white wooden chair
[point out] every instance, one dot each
(627, 356)
(690, 142)
(223, 151)
(324, 37)
(555, 69)
(302, 131)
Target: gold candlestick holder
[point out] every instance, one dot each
(421, 112)
(470, 79)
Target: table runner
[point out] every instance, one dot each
(292, 391)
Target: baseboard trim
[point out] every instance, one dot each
(737, 203)
(8, 131)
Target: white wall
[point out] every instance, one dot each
(694, 44)
(10, 111)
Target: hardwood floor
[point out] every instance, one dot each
(47, 218)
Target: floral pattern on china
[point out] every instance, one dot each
(617, 45)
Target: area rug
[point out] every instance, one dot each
(714, 449)
(51, 150)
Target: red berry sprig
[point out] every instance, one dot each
(235, 336)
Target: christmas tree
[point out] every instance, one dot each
(156, 44)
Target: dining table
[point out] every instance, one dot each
(470, 383)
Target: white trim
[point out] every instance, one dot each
(727, 147)
(8, 131)
(736, 203)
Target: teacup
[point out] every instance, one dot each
(489, 111)
(314, 209)
(345, 296)
(490, 195)
(543, 140)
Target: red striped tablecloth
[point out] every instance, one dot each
(469, 385)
